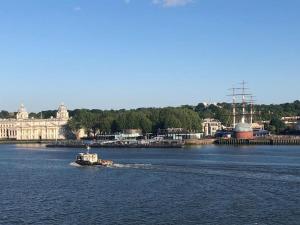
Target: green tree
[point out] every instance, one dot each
(277, 125)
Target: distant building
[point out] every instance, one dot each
(127, 134)
(260, 133)
(81, 133)
(210, 126)
(130, 134)
(25, 128)
(179, 134)
(257, 126)
(290, 119)
(224, 134)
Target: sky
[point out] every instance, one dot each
(113, 54)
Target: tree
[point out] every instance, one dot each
(277, 125)
(4, 114)
(187, 117)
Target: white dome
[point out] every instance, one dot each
(62, 112)
(62, 107)
(22, 108)
(22, 113)
(243, 127)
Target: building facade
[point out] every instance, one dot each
(290, 120)
(179, 134)
(25, 128)
(210, 126)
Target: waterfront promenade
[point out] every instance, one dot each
(270, 140)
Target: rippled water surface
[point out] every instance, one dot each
(204, 185)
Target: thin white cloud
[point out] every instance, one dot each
(77, 9)
(127, 1)
(171, 3)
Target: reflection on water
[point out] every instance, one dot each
(207, 185)
(30, 146)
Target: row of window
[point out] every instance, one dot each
(5, 125)
(10, 133)
(6, 132)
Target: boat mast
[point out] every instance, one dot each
(251, 110)
(243, 102)
(233, 107)
(233, 95)
(240, 103)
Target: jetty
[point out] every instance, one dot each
(118, 144)
(204, 141)
(272, 140)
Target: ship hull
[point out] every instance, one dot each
(99, 163)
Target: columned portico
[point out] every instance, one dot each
(24, 128)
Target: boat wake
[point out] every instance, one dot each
(119, 166)
(74, 164)
(236, 172)
(131, 166)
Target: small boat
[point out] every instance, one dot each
(91, 159)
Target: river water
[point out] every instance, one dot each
(198, 185)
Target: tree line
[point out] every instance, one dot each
(149, 120)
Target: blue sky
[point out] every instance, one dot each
(126, 54)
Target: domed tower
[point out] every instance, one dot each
(22, 113)
(62, 112)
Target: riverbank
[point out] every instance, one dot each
(83, 144)
(25, 142)
(118, 144)
(273, 140)
(208, 141)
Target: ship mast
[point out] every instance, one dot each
(233, 95)
(233, 107)
(243, 103)
(251, 109)
(240, 102)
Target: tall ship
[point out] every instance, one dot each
(242, 112)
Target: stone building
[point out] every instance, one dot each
(25, 128)
(210, 126)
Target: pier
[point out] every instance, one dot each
(277, 140)
(118, 144)
(205, 141)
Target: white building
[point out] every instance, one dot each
(210, 126)
(25, 128)
(179, 134)
(290, 120)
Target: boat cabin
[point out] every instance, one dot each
(87, 157)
